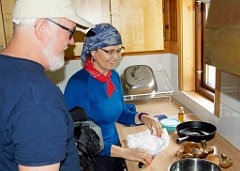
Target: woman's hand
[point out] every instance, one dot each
(153, 124)
(137, 154)
(133, 154)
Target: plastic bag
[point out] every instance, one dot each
(149, 142)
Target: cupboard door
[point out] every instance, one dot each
(140, 23)
(95, 11)
(2, 30)
(6, 25)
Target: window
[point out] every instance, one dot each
(205, 74)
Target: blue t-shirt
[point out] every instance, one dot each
(85, 91)
(35, 126)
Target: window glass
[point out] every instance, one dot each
(206, 74)
(210, 74)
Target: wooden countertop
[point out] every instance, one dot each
(166, 157)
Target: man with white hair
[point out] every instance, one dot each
(36, 129)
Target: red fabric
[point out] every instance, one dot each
(100, 77)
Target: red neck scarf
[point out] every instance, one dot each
(100, 77)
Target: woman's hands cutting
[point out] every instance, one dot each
(153, 124)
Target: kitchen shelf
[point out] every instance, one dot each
(164, 88)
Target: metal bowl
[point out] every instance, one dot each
(139, 79)
(193, 165)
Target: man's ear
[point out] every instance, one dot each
(40, 28)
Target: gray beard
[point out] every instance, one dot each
(55, 62)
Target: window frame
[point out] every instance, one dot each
(200, 78)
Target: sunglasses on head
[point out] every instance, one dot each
(90, 33)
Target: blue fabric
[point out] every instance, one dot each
(102, 35)
(85, 91)
(35, 126)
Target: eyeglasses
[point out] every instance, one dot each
(71, 31)
(113, 52)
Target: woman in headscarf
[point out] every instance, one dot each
(97, 88)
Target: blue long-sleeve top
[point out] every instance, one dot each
(85, 91)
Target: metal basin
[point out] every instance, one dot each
(193, 165)
(139, 79)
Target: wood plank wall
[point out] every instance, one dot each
(170, 26)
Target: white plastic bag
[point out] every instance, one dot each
(149, 142)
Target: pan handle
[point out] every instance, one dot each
(180, 140)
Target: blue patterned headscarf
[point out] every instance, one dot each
(102, 35)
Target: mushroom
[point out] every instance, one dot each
(225, 161)
(187, 155)
(196, 152)
(214, 158)
(205, 151)
(210, 150)
(179, 154)
(189, 146)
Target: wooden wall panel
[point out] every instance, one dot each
(170, 26)
(186, 44)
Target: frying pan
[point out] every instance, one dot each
(195, 131)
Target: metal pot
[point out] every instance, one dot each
(195, 131)
(195, 164)
(139, 79)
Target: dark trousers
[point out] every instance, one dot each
(108, 164)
